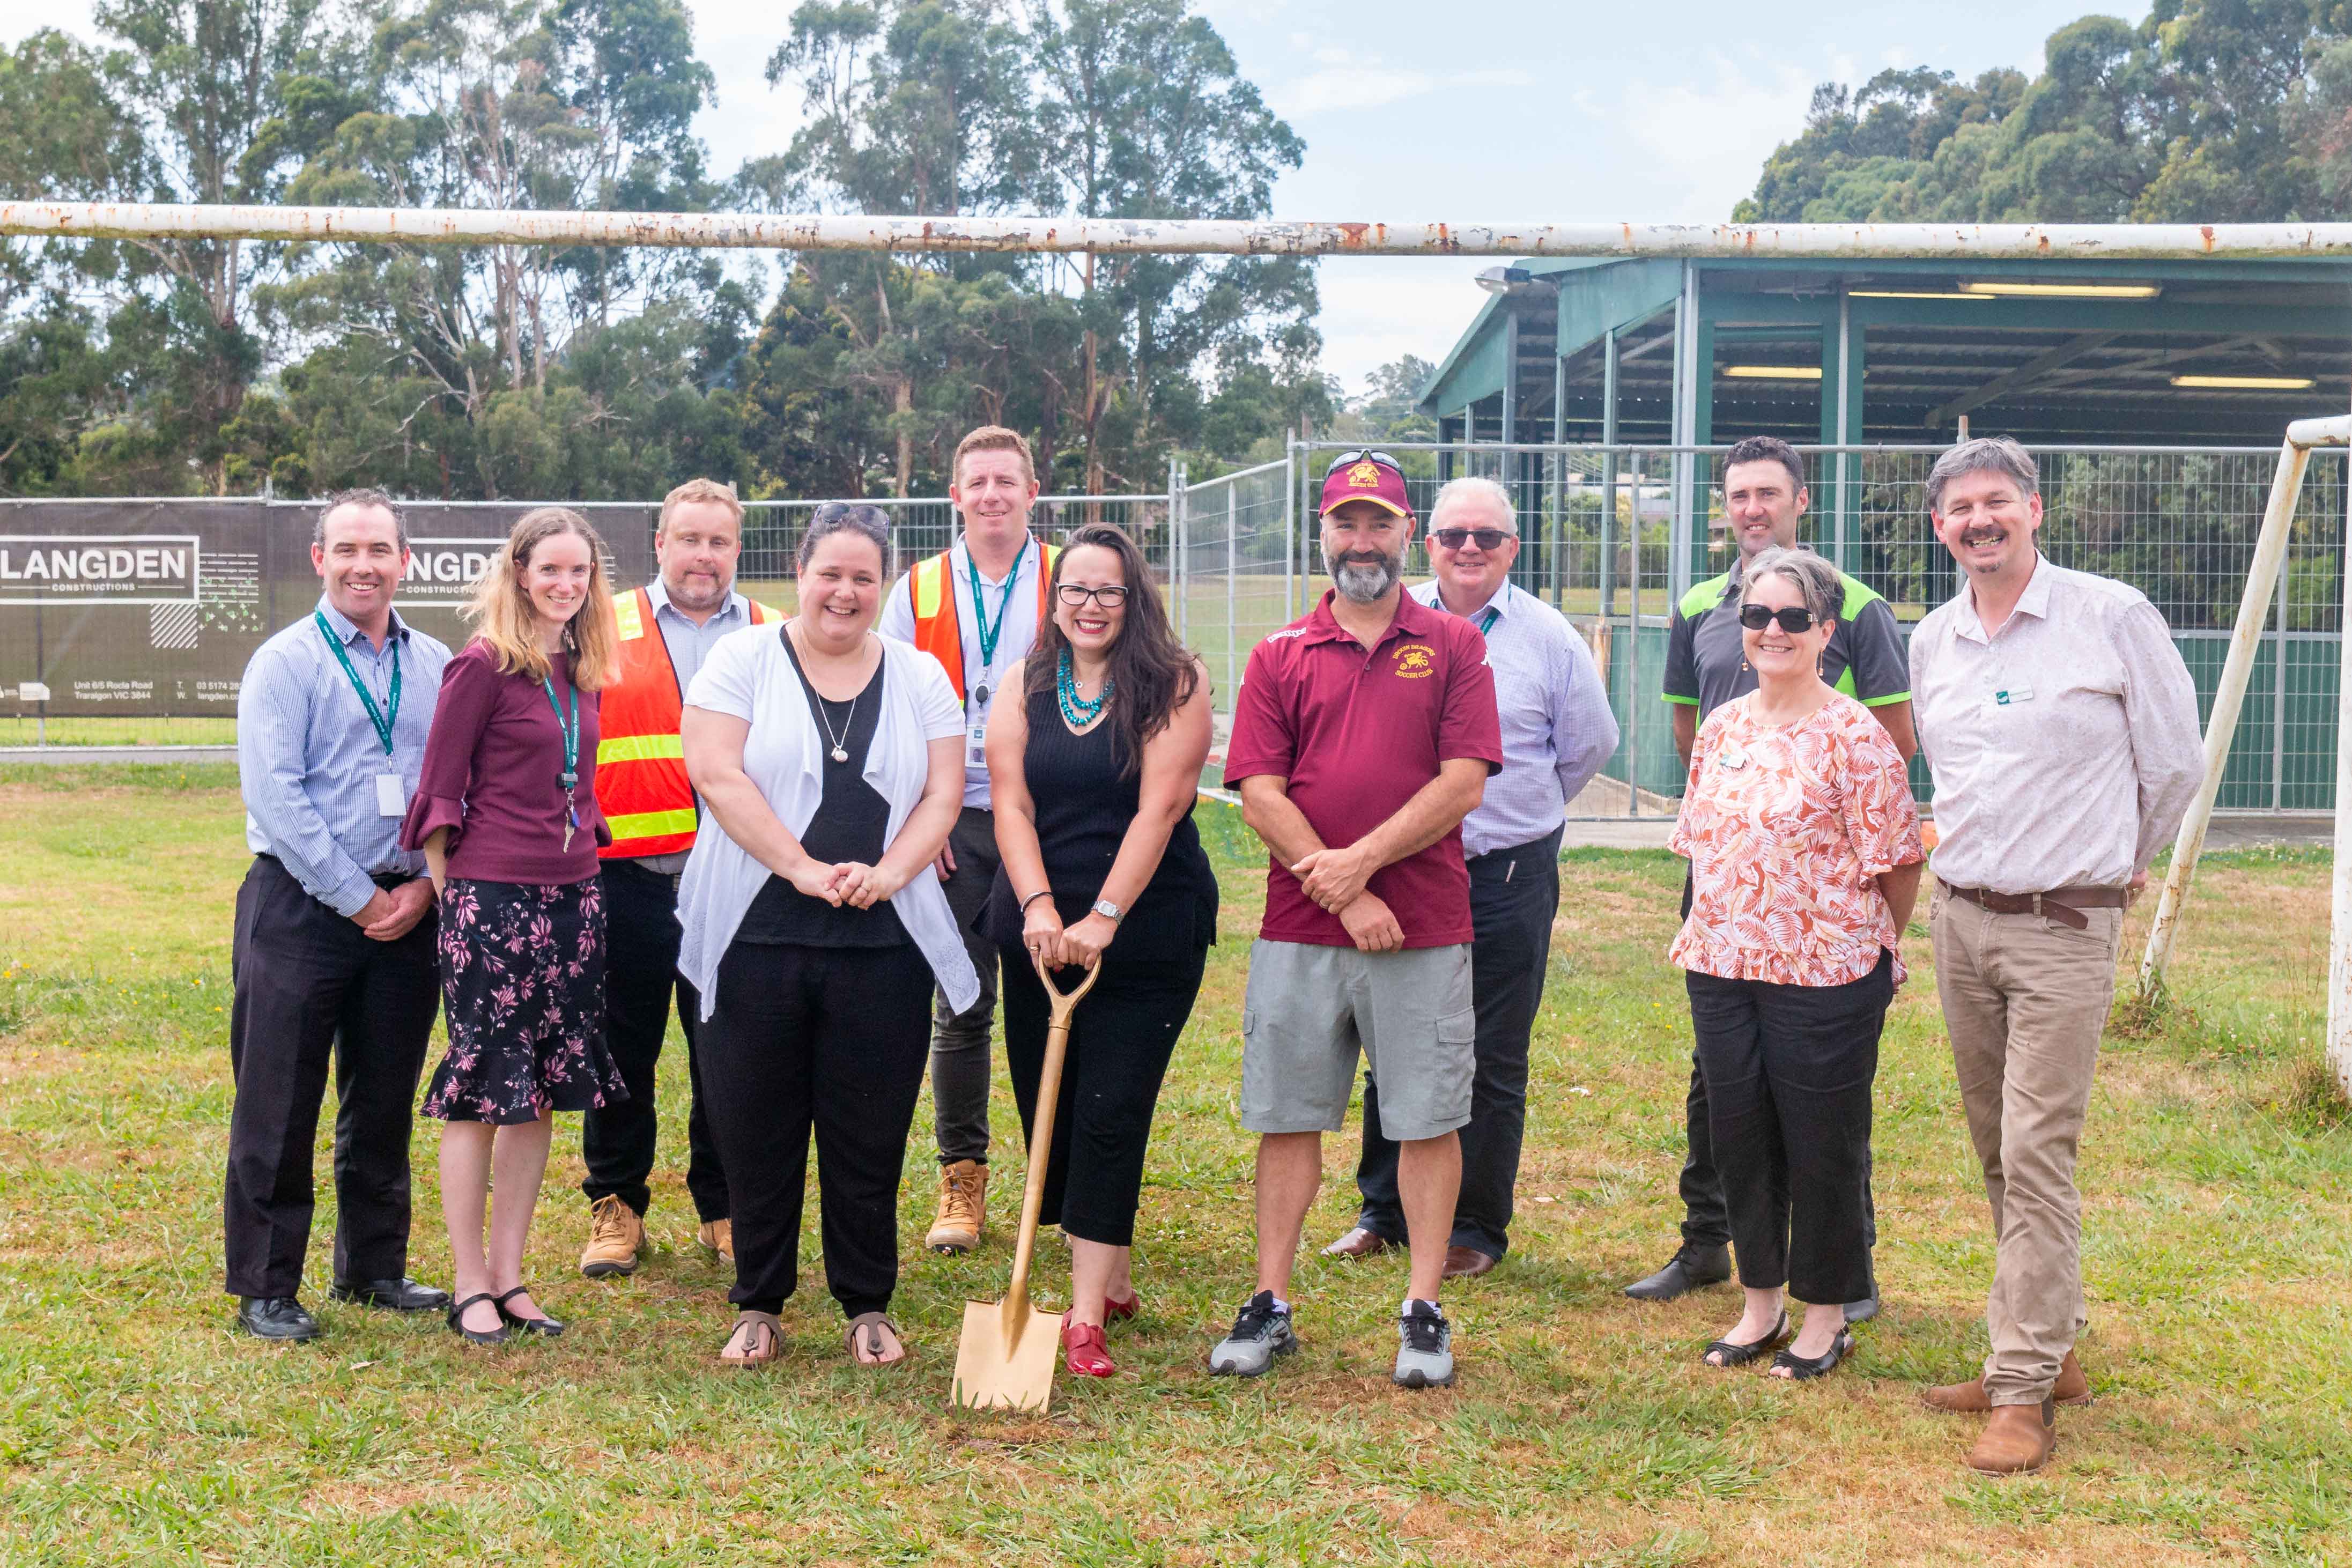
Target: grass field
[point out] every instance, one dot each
(135, 1429)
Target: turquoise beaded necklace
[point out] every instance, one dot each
(1076, 709)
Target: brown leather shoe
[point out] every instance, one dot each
(1359, 1243)
(718, 1235)
(1969, 1398)
(963, 1207)
(2018, 1439)
(615, 1235)
(1465, 1263)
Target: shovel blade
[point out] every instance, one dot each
(1003, 1363)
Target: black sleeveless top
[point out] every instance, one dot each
(1084, 807)
(850, 822)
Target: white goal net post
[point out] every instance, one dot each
(1956, 243)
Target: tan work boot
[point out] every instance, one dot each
(615, 1235)
(2018, 1439)
(718, 1235)
(964, 1208)
(1969, 1398)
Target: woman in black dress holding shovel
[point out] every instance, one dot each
(1094, 775)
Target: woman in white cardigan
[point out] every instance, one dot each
(830, 763)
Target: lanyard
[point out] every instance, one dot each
(383, 721)
(1494, 609)
(988, 633)
(570, 733)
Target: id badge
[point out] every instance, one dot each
(975, 749)
(2010, 695)
(391, 800)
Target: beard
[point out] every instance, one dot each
(1362, 576)
(697, 597)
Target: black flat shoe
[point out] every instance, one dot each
(547, 1326)
(1692, 1267)
(1740, 1355)
(279, 1319)
(393, 1295)
(1800, 1370)
(496, 1336)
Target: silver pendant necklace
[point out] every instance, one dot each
(849, 721)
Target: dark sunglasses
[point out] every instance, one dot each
(1756, 618)
(1488, 538)
(1344, 458)
(1110, 598)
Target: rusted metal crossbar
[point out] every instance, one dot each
(1262, 236)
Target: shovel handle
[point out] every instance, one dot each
(1041, 1127)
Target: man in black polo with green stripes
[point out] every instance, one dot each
(1764, 500)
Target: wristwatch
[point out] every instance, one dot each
(1109, 910)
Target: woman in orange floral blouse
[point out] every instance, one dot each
(1805, 859)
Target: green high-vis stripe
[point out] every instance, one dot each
(639, 749)
(651, 825)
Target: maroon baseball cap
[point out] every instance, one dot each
(1365, 475)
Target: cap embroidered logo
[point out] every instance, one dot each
(1365, 475)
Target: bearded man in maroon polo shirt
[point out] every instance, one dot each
(1363, 735)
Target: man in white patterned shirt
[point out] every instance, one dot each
(2061, 726)
(1556, 733)
(332, 960)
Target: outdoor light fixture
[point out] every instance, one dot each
(1910, 294)
(2247, 383)
(1503, 279)
(1774, 372)
(2061, 290)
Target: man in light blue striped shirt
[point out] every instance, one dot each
(333, 958)
(1558, 730)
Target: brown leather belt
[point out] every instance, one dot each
(2064, 905)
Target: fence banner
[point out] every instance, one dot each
(151, 608)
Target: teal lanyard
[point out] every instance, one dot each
(988, 633)
(1486, 621)
(383, 721)
(570, 732)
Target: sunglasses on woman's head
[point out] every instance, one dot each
(1455, 537)
(1796, 618)
(1109, 598)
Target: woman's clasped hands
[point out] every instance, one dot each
(852, 883)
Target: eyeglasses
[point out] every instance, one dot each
(1113, 597)
(1488, 538)
(1344, 458)
(1756, 618)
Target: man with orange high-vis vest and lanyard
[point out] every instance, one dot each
(975, 607)
(665, 630)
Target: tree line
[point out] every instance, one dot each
(2207, 111)
(168, 367)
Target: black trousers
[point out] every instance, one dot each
(1789, 1070)
(311, 987)
(1707, 1220)
(1514, 895)
(616, 1140)
(826, 1040)
(1120, 1039)
(960, 1040)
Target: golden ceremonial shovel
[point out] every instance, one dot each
(1005, 1361)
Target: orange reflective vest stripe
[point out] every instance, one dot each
(641, 781)
(937, 631)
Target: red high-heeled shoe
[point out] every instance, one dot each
(1083, 1350)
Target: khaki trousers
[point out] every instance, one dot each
(2025, 999)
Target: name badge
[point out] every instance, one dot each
(2009, 696)
(391, 800)
(975, 750)
(1732, 758)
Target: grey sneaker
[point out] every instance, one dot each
(1424, 1348)
(1260, 1333)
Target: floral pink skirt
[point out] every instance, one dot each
(522, 985)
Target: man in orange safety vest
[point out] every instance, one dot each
(667, 627)
(975, 607)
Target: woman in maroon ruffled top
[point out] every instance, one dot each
(506, 815)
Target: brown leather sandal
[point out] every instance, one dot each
(762, 1346)
(873, 1324)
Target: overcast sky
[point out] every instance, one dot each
(1424, 110)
